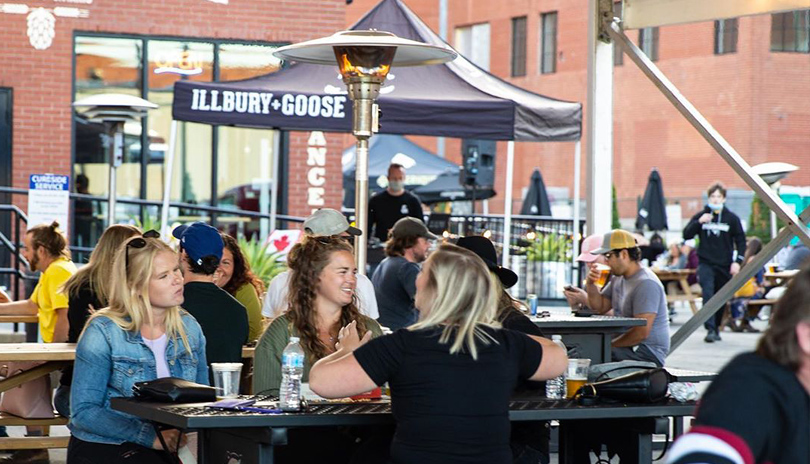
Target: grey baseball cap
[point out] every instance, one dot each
(411, 227)
(326, 222)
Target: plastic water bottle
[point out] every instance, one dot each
(292, 369)
(555, 388)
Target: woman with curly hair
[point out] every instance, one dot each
(236, 278)
(322, 300)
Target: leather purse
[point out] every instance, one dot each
(644, 386)
(31, 400)
(174, 390)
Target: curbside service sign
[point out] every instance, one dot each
(48, 200)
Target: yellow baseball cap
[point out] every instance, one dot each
(616, 239)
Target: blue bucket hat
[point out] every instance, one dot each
(199, 240)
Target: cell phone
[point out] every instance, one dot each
(569, 288)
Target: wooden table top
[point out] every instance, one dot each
(673, 273)
(9, 319)
(57, 351)
(788, 274)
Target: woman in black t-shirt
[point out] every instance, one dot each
(451, 374)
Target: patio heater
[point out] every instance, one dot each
(113, 110)
(364, 59)
(773, 173)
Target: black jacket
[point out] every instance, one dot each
(718, 238)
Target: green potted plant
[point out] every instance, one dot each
(263, 263)
(548, 267)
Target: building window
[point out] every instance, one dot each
(548, 50)
(790, 32)
(618, 53)
(519, 46)
(725, 36)
(648, 42)
(211, 163)
(473, 43)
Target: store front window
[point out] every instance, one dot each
(210, 162)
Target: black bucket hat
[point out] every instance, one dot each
(484, 248)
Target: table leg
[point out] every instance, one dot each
(689, 294)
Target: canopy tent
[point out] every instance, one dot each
(421, 165)
(447, 188)
(461, 100)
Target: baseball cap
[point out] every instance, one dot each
(484, 248)
(326, 222)
(616, 239)
(591, 242)
(199, 240)
(410, 227)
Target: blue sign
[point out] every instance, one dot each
(52, 182)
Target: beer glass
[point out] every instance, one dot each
(604, 273)
(576, 376)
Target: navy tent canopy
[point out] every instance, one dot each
(447, 188)
(455, 99)
(653, 209)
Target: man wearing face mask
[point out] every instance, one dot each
(392, 204)
(720, 232)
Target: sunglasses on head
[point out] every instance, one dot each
(139, 242)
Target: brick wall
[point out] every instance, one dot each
(755, 98)
(41, 79)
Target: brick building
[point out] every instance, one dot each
(748, 76)
(57, 51)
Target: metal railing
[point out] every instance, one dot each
(541, 250)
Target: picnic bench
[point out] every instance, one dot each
(680, 276)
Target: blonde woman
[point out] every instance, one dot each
(142, 335)
(451, 373)
(87, 290)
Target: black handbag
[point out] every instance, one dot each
(645, 386)
(174, 390)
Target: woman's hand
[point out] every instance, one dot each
(349, 339)
(170, 437)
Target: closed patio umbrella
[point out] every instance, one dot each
(653, 209)
(536, 202)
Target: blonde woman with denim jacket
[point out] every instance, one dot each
(142, 335)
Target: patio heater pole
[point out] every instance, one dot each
(168, 172)
(577, 169)
(116, 159)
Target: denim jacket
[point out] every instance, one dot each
(108, 362)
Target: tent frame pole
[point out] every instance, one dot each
(507, 206)
(274, 185)
(167, 182)
(577, 173)
(794, 224)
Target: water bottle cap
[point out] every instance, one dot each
(556, 337)
(294, 339)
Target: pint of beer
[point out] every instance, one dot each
(604, 273)
(576, 376)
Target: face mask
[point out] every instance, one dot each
(716, 208)
(396, 185)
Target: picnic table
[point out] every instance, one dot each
(254, 436)
(779, 278)
(590, 336)
(680, 276)
(54, 357)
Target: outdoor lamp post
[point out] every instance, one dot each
(364, 59)
(113, 110)
(772, 173)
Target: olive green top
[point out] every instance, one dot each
(250, 300)
(267, 358)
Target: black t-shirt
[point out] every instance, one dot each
(384, 210)
(758, 408)
(78, 313)
(450, 408)
(223, 320)
(394, 283)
